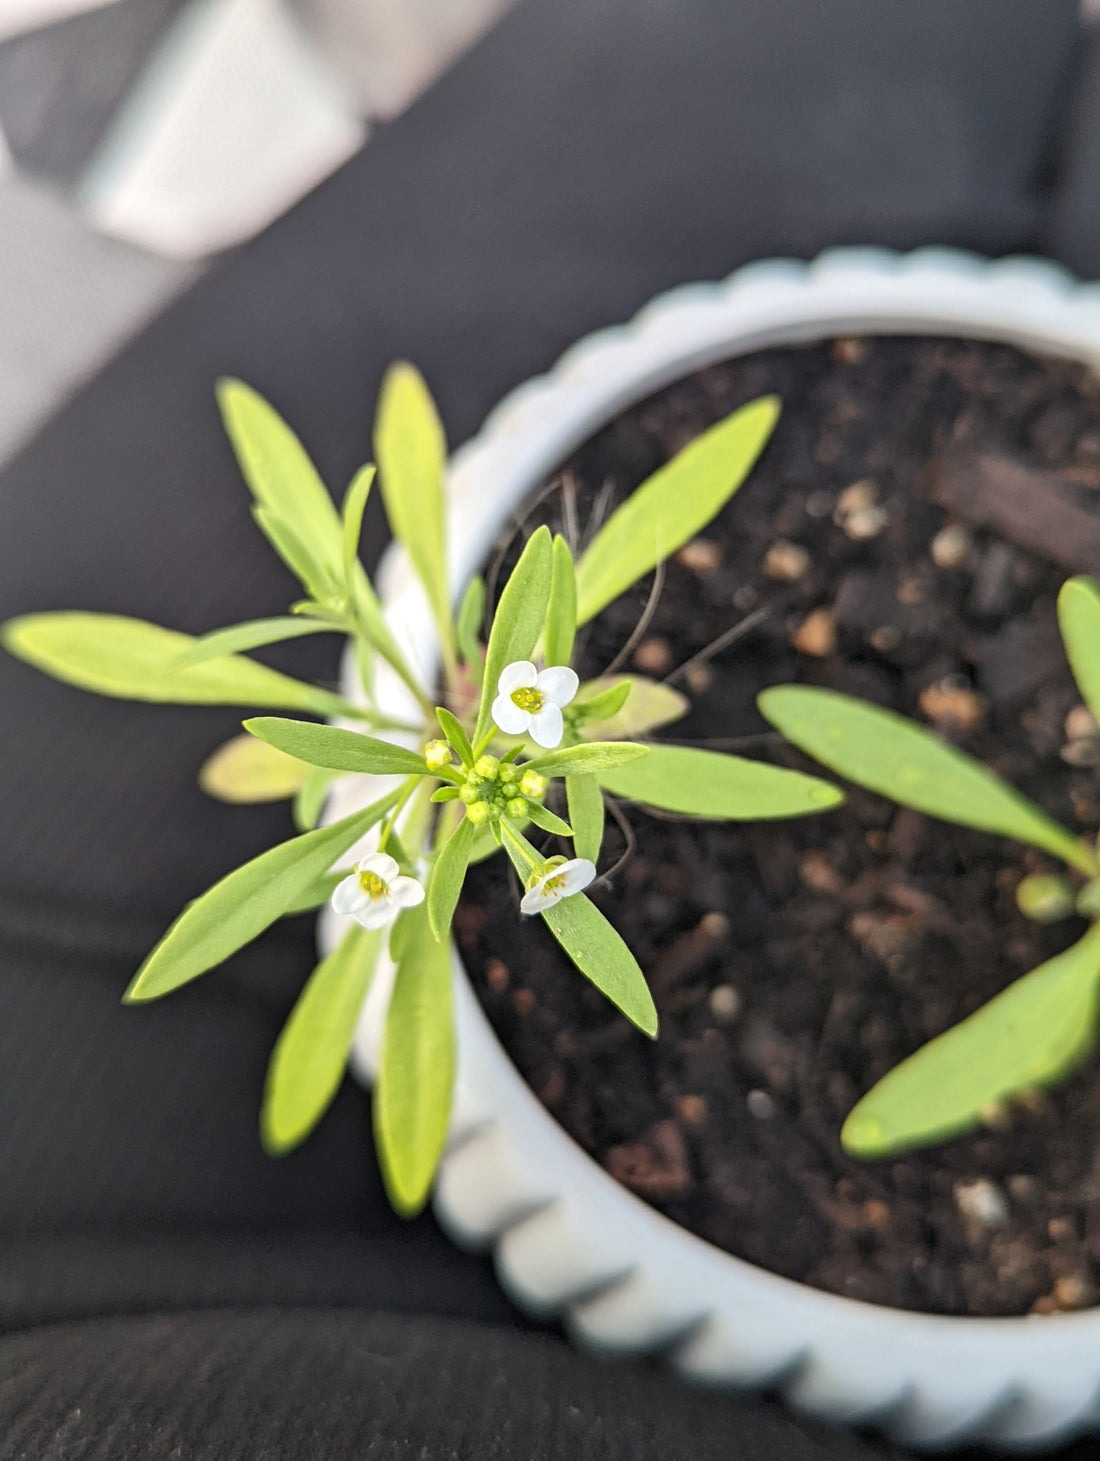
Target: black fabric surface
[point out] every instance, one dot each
(589, 153)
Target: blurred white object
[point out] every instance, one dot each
(17, 16)
(234, 119)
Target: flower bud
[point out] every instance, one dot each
(487, 766)
(478, 813)
(517, 807)
(533, 784)
(437, 754)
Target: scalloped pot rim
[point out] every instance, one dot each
(567, 1239)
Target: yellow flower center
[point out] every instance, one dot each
(554, 887)
(374, 886)
(528, 698)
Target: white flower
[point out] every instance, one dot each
(561, 880)
(530, 702)
(375, 893)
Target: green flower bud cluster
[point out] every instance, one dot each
(495, 789)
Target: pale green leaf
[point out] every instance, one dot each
(316, 895)
(672, 505)
(294, 553)
(725, 788)
(239, 907)
(902, 760)
(132, 660)
(648, 706)
(448, 873)
(311, 796)
(351, 514)
(411, 451)
(253, 635)
(307, 1064)
(586, 815)
(412, 1100)
(280, 474)
(547, 820)
(585, 759)
(246, 770)
(1079, 621)
(518, 620)
(335, 749)
(1029, 1036)
(468, 626)
(561, 611)
(452, 728)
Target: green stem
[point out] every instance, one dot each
(406, 792)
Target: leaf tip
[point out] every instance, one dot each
(862, 1135)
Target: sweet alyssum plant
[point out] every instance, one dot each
(478, 768)
(1045, 1023)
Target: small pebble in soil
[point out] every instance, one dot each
(849, 350)
(760, 1105)
(699, 679)
(982, 1202)
(700, 556)
(654, 656)
(816, 635)
(819, 504)
(786, 560)
(951, 705)
(885, 638)
(496, 975)
(724, 1003)
(950, 545)
(1080, 724)
(1023, 1188)
(745, 597)
(692, 1111)
(865, 524)
(856, 498)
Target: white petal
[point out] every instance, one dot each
(381, 864)
(407, 892)
(519, 675)
(578, 872)
(348, 896)
(559, 683)
(509, 717)
(535, 900)
(547, 726)
(377, 913)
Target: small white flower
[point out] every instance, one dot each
(375, 893)
(530, 702)
(559, 881)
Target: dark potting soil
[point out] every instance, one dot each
(902, 539)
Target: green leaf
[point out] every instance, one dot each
(307, 1064)
(518, 620)
(311, 798)
(246, 770)
(1079, 621)
(317, 894)
(239, 907)
(448, 872)
(338, 750)
(586, 813)
(544, 818)
(451, 727)
(412, 1100)
(672, 505)
(252, 635)
(605, 704)
(355, 504)
(132, 660)
(468, 625)
(725, 788)
(602, 957)
(294, 553)
(561, 612)
(411, 450)
(648, 706)
(376, 631)
(585, 759)
(446, 794)
(280, 474)
(902, 760)
(1030, 1035)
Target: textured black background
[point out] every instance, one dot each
(586, 155)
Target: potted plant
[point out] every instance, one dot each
(568, 1237)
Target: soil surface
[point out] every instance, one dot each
(902, 539)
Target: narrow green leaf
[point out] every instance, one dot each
(412, 1100)
(411, 451)
(307, 1064)
(316, 895)
(280, 474)
(606, 703)
(132, 660)
(724, 788)
(1079, 621)
(311, 797)
(902, 760)
(239, 907)
(648, 706)
(294, 553)
(448, 872)
(590, 757)
(602, 957)
(672, 505)
(355, 504)
(338, 750)
(518, 620)
(586, 813)
(544, 818)
(446, 794)
(451, 727)
(253, 635)
(246, 770)
(1030, 1035)
(372, 623)
(468, 626)
(561, 612)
